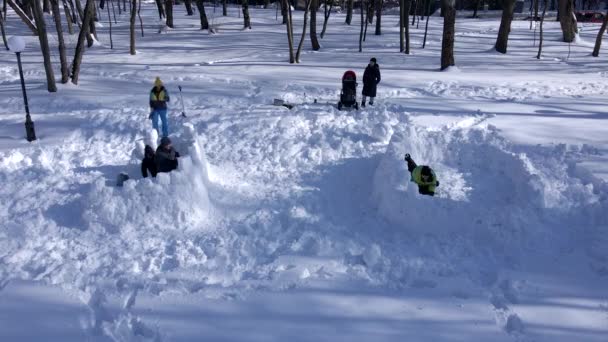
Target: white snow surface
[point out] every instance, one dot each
(302, 224)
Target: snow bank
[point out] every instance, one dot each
(489, 188)
(176, 200)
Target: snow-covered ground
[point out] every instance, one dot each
(301, 224)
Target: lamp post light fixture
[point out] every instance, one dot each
(17, 45)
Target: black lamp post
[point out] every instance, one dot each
(17, 45)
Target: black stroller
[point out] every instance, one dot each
(348, 94)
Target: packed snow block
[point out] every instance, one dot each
(485, 182)
(175, 200)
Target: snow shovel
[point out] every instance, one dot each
(182, 98)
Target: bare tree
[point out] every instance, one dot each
(505, 26)
(68, 17)
(169, 12)
(362, 24)
(314, 5)
(23, 15)
(349, 11)
(44, 46)
(246, 19)
(159, 6)
(84, 31)
(141, 22)
(567, 20)
(188, 4)
(224, 8)
(65, 73)
(447, 43)
(426, 28)
(379, 4)
(475, 9)
(304, 25)
(289, 31)
(327, 13)
(132, 27)
(3, 32)
(406, 21)
(201, 11)
(401, 26)
(110, 23)
(600, 34)
(542, 21)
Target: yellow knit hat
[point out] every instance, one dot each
(158, 82)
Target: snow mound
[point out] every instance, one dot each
(176, 200)
(488, 189)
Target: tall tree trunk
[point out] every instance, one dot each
(110, 23)
(567, 20)
(93, 29)
(349, 11)
(401, 28)
(84, 31)
(362, 24)
(80, 11)
(224, 8)
(160, 7)
(327, 13)
(203, 14)
(370, 11)
(415, 11)
(23, 15)
(305, 24)
(76, 16)
(169, 12)
(284, 14)
(379, 17)
(3, 32)
(68, 17)
(313, 25)
(188, 4)
(266, 4)
(447, 43)
(505, 26)
(426, 28)
(65, 73)
(46, 6)
(132, 27)
(141, 22)
(289, 32)
(536, 7)
(44, 46)
(475, 9)
(600, 35)
(367, 14)
(246, 19)
(542, 21)
(406, 21)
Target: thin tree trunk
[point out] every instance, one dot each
(3, 32)
(305, 24)
(362, 24)
(141, 22)
(401, 29)
(201, 11)
(505, 26)
(600, 34)
(367, 14)
(542, 20)
(188, 4)
(349, 11)
(536, 8)
(75, 14)
(406, 21)
(93, 28)
(447, 44)
(289, 32)
(65, 73)
(46, 6)
(476, 8)
(68, 17)
(23, 15)
(379, 17)
(159, 6)
(246, 18)
(80, 11)
(114, 11)
(132, 27)
(44, 46)
(327, 14)
(567, 20)
(224, 8)
(426, 28)
(84, 31)
(110, 23)
(313, 25)
(169, 12)
(415, 11)
(370, 11)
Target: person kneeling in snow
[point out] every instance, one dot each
(422, 175)
(148, 163)
(166, 156)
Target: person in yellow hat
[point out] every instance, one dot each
(423, 176)
(159, 96)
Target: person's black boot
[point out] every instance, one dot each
(362, 103)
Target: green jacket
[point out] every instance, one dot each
(430, 185)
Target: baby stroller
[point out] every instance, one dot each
(348, 94)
